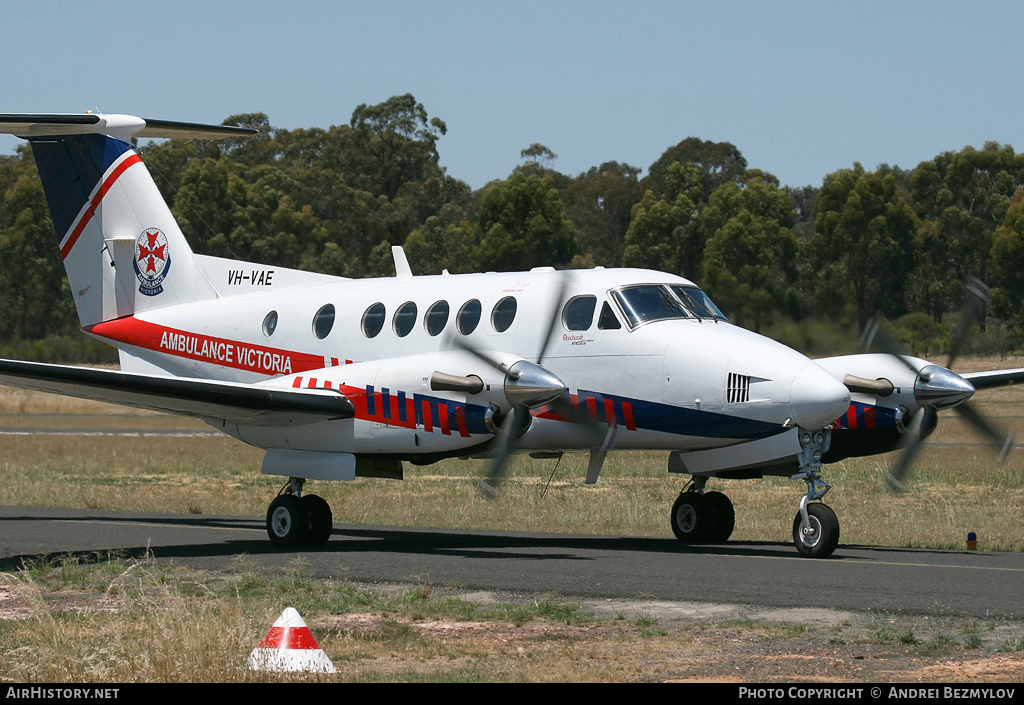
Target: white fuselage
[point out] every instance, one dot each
(678, 383)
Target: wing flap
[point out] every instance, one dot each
(251, 404)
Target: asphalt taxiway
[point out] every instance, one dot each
(857, 578)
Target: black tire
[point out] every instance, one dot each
(721, 517)
(321, 523)
(690, 517)
(287, 521)
(825, 537)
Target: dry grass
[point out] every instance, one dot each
(118, 621)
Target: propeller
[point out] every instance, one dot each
(528, 385)
(938, 388)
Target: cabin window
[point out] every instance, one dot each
(578, 314)
(469, 317)
(644, 303)
(436, 317)
(373, 320)
(698, 302)
(323, 321)
(270, 324)
(405, 319)
(608, 321)
(503, 313)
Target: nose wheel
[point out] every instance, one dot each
(818, 535)
(294, 519)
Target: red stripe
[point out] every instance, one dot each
(218, 351)
(442, 419)
(627, 415)
(460, 421)
(869, 417)
(609, 412)
(91, 210)
(851, 417)
(289, 638)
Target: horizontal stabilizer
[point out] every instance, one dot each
(252, 404)
(124, 127)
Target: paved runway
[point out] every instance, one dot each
(856, 578)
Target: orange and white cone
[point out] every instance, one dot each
(289, 646)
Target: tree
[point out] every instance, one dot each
(717, 163)
(33, 287)
(863, 246)
(599, 202)
(961, 198)
(399, 142)
(750, 261)
(664, 232)
(521, 225)
(1007, 260)
(537, 153)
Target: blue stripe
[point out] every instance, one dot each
(666, 418)
(70, 167)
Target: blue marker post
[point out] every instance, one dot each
(972, 541)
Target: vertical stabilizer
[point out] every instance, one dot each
(122, 249)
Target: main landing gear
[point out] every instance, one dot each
(294, 519)
(702, 517)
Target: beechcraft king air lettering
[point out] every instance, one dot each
(337, 378)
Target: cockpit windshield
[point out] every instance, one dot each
(644, 303)
(698, 302)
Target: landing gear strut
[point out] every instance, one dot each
(294, 519)
(815, 527)
(702, 517)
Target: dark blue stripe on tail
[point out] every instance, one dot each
(70, 167)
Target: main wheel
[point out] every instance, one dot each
(320, 520)
(287, 521)
(690, 517)
(721, 517)
(819, 539)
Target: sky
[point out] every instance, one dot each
(801, 88)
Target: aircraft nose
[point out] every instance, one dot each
(817, 398)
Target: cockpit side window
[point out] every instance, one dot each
(644, 303)
(608, 321)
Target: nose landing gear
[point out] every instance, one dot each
(815, 527)
(294, 519)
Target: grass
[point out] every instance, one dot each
(127, 620)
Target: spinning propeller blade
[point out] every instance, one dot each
(528, 385)
(938, 388)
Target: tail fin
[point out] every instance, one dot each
(122, 249)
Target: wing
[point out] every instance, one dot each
(251, 404)
(994, 378)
